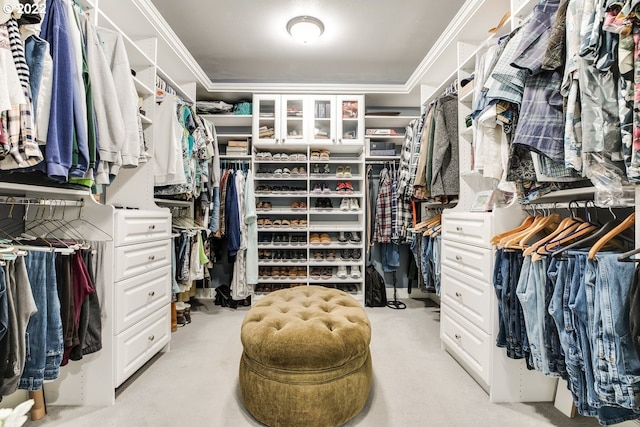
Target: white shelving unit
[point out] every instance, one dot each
(285, 114)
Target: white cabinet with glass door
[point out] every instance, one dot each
(350, 119)
(266, 119)
(322, 123)
(294, 114)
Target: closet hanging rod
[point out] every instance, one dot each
(10, 200)
(566, 205)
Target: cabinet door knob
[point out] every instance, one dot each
(152, 293)
(458, 258)
(151, 337)
(458, 294)
(458, 228)
(152, 257)
(152, 227)
(457, 336)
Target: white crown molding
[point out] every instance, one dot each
(166, 32)
(307, 88)
(448, 37)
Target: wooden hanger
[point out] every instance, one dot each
(566, 222)
(627, 223)
(519, 240)
(526, 223)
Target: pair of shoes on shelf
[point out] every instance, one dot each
(348, 236)
(345, 272)
(321, 187)
(343, 172)
(344, 186)
(324, 203)
(349, 204)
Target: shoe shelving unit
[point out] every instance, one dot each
(330, 221)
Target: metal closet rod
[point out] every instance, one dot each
(567, 205)
(11, 200)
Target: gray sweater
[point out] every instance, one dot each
(445, 176)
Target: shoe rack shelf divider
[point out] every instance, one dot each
(293, 119)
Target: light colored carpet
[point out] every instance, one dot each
(416, 383)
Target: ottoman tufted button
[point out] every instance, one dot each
(306, 358)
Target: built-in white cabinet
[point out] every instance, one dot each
(321, 120)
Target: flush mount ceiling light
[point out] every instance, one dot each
(305, 29)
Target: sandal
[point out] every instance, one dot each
(295, 205)
(325, 238)
(276, 156)
(314, 238)
(315, 155)
(286, 172)
(285, 223)
(316, 168)
(293, 157)
(302, 222)
(260, 222)
(302, 157)
(277, 172)
(294, 223)
(324, 154)
(347, 172)
(340, 172)
(277, 223)
(295, 171)
(302, 171)
(303, 205)
(284, 156)
(327, 169)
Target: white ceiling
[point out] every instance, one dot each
(365, 41)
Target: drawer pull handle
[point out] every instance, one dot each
(152, 337)
(458, 295)
(152, 227)
(458, 258)
(458, 228)
(152, 293)
(457, 336)
(152, 257)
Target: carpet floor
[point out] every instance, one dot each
(415, 382)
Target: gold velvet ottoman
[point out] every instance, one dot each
(306, 360)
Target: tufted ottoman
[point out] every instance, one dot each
(306, 360)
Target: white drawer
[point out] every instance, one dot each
(138, 259)
(471, 228)
(466, 343)
(138, 344)
(469, 297)
(141, 226)
(472, 260)
(140, 296)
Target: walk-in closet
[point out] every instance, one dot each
(319, 213)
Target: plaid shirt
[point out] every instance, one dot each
(19, 121)
(382, 229)
(506, 82)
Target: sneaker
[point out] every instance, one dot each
(317, 188)
(355, 272)
(342, 272)
(345, 204)
(325, 188)
(353, 205)
(355, 237)
(356, 254)
(341, 237)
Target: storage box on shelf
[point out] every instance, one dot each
(233, 132)
(385, 131)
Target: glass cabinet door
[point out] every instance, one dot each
(322, 124)
(293, 119)
(350, 121)
(266, 126)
